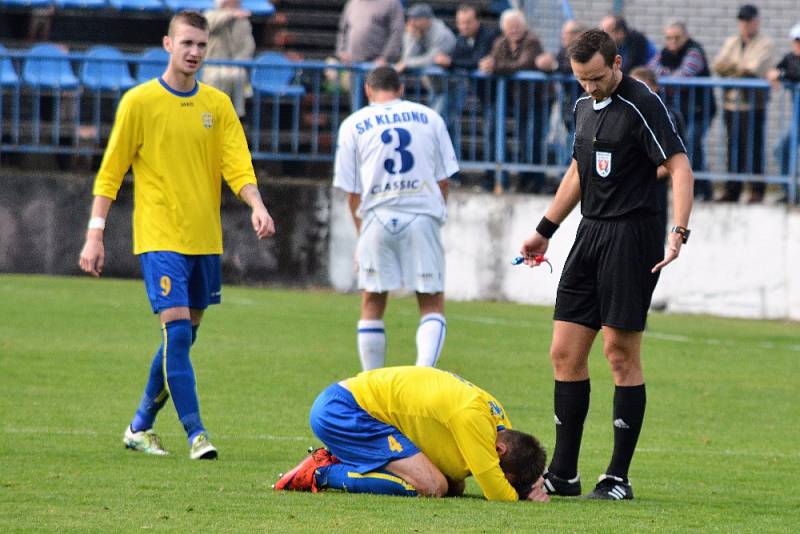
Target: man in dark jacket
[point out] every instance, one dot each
(474, 41)
(633, 46)
(519, 49)
(787, 71)
(684, 57)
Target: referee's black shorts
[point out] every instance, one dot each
(607, 279)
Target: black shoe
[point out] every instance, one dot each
(611, 488)
(554, 485)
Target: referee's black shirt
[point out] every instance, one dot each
(618, 146)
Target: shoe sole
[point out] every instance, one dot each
(136, 448)
(208, 454)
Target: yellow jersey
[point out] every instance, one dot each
(451, 420)
(180, 146)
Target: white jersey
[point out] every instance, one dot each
(394, 154)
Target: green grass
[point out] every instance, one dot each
(718, 451)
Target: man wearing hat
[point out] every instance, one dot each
(745, 55)
(424, 39)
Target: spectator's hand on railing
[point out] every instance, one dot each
(400, 66)
(379, 62)
(486, 65)
(774, 76)
(443, 60)
(546, 62)
(725, 68)
(344, 57)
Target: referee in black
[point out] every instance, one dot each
(623, 133)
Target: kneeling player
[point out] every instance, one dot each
(416, 431)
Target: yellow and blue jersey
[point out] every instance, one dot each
(180, 145)
(452, 421)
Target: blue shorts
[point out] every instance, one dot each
(354, 436)
(174, 280)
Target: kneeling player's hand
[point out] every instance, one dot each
(538, 493)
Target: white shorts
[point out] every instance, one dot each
(400, 250)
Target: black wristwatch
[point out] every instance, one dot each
(683, 231)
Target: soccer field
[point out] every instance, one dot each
(718, 452)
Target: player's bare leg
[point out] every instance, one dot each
(432, 328)
(371, 330)
(623, 352)
(569, 354)
(420, 472)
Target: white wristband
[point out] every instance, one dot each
(97, 223)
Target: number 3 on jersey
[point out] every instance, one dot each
(406, 157)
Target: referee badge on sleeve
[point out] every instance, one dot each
(602, 163)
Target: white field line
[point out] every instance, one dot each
(709, 451)
(546, 325)
(662, 336)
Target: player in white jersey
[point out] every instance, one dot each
(393, 159)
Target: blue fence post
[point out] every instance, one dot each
(793, 140)
(500, 133)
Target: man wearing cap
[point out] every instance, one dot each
(787, 71)
(424, 39)
(745, 55)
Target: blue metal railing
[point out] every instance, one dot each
(498, 124)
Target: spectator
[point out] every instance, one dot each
(474, 41)
(746, 55)
(684, 57)
(370, 31)
(230, 38)
(647, 76)
(572, 89)
(633, 46)
(518, 49)
(424, 39)
(788, 70)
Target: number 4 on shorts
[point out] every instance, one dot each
(394, 445)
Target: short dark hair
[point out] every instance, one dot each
(190, 18)
(384, 79)
(645, 74)
(620, 24)
(524, 460)
(467, 7)
(591, 42)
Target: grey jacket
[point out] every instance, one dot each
(420, 52)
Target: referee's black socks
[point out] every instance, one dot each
(629, 404)
(571, 404)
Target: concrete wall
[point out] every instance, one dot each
(740, 262)
(43, 219)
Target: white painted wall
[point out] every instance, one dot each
(741, 260)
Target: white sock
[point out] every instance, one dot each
(430, 338)
(371, 344)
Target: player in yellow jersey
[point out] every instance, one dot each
(181, 137)
(417, 431)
